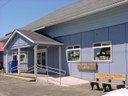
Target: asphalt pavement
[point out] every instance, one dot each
(15, 87)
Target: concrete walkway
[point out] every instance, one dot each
(63, 81)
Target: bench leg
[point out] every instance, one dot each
(105, 87)
(120, 86)
(92, 85)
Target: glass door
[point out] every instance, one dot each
(41, 59)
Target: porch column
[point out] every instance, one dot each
(6, 63)
(60, 63)
(35, 59)
(18, 67)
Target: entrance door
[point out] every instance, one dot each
(41, 59)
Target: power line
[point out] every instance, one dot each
(5, 3)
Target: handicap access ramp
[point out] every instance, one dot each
(63, 81)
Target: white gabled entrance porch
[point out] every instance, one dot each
(35, 48)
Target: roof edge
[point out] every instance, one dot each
(86, 14)
(12, 35)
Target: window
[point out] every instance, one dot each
(15, 57)
(23, 57)
(102, 51)
(73, 53)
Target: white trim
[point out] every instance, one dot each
(49, 43)
(18, 59)
(35, 59)
(20, 47)
(6, 65)
(16, 31)
(25, 36)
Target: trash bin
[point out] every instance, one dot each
(12, 66)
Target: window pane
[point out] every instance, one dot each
(73, 55)
(76, 47)
(22, 58)
(102, 53)
(14, 57)
(70, 47)
(97, 44)
(105, 43)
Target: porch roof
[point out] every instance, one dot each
(34, 37)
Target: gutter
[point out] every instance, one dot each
(35, 29)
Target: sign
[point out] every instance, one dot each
(87, 66)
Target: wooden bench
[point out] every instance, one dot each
(107, 80)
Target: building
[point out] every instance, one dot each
(93, 33)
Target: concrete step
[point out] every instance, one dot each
(22, 77)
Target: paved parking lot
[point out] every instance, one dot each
(15, 87)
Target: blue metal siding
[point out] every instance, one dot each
(53, 57)
(75, 39)
(50, 56)
(101, 35)
(111, 17)
(30, 57)
(74, 71)
(86, 46)
(117, 34)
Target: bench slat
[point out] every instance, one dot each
(107, 80)
(110, 76)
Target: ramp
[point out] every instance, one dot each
(63, 81)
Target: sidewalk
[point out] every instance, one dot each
(64, 81)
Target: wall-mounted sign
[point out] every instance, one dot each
(87, 66)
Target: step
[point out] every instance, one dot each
(30, 79)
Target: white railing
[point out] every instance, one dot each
(31, 69)
(52, 70)
(48, 69)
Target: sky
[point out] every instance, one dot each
(15, 14)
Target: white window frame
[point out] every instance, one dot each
(103, 47)
(73, 49)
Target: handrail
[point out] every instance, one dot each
(60, 71)
(31, 69)
(53, 70)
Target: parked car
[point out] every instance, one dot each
(118, 92)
